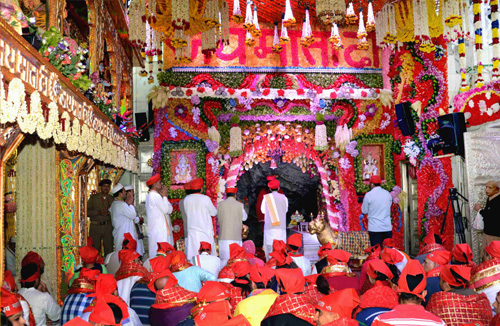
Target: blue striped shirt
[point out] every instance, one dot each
(141, 299)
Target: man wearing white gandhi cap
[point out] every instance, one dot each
(123, 217)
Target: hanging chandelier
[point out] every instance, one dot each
(330, 11)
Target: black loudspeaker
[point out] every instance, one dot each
(451, 130)
(141, 124)
(405, 119)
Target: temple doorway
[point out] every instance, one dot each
(301, 189)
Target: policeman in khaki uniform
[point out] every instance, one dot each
(100, 219)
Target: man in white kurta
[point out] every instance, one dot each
(158, 210)
(274, 206)
(205, 259)
(231, 214)
(199, 211)
(123, 218)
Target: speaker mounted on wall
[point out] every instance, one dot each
(405, 119)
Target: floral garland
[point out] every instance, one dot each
(386, 140)
(45, 127)
(478, 31)
(15, 99)
(28, 122)
(495, 39)
(166, 171)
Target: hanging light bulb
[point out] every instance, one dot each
(289, 20)
(351, 17)
(237, 17)
(249, 18)
(284, 39)
(335, 39)
(277, 48)
(256, 32)
(370, 20)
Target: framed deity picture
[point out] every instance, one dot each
(374, 158)
(183, 166)
(372, 161)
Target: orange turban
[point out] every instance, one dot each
(291, 280)
(89, 254)
(440, 257)
(462, 253)
(413, 279)
(154, 179)
(378, 265)
(493, 249)
(342, 302)
(455, 275)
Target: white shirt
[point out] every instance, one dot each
(209, 263)
(158, 210)
(123, 217)
(303, 263)
(42, 304)
(377, 204)
(112, 262)
(275, 232)
(199, 211)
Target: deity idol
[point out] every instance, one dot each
(370, 167)
(183, 170)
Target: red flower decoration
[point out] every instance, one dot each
(333, 95)
(171, 87)
(230, 91)
(189, 92)
(319, 91)
(214, 88)
(300, 91)
(201, 89)
(266, 92)
(281, 92)
(364, 94)
(244, 94)
(252, 89)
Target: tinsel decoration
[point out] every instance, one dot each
(335, 39)
(307, 37)
(478, 31)
(330, 11)
(284, 39)
(495, 39)
(180, 15)
(256, 32)
(421, 21)
(452, 20)
(210, 37)
(289, 21)
(351, 17)
(370, 22)
(224, 23)
(249, 18)
(249, 40)
(386, 28)
(277, 48)
(235, 142)
(237, 17)
(320, 136)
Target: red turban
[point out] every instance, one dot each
(129, 242)
(412, 279)
(31, 257)
(294, 240)
(77, 321)
(212, 291)
(8, 281)
(241, 268)
(455, 275)
(187, 186)
(33, 273)
(373, 252)
(271, 177)
(126, 255)
(342, 302)
(493, 249)
(165, 247)
(215, 313)
(375, 179)
(291, 280)
(103, 314)
(10, 304)
(337, 255)
(391, 256)
(236, 251)
(239, 320)
(197, 184)
(261, 274)
(379, 266)
(273, 184)
(226, 273)
(89, 254)
(462, 253)
(279, 246)
(154, 179)
(178, 261)
(324, 249)
(105, 284)
(231, 190)
(205, 246)
(388, 242)
(160, 267)
(440, 257)
(282, 258)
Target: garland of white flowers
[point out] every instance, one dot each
(15, 99)
(74, 137)
(452, 20)
(137, 28)
(289, 21)
(180, 14)
(249, 17)
(370, 19)
(45, 129)
(386, 32)
(362, 42)
(335, 38)
(27, 122)
(62, 129)
(476, 9)
(421, 21)
(284, 39)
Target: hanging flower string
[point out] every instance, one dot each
(307, 38)
(249, 26)
(237, 17)
(351, 17)
(464, 10)
(256, 32)
(495, 38)
(478, 31)
(370, 22)
(284, 39)
(277, 48)
(363, 43)
(335, 39)
(289, 21)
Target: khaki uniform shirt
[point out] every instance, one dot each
(95, 204)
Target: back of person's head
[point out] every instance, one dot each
(322, 285)
(408, 298)
(244, 284)
(30, 274)
(5, 320)
(117, 312)
(292, 265)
